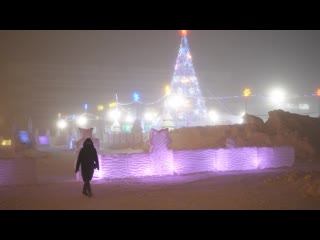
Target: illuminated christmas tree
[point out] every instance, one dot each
(184, 102)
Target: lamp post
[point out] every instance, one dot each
(246, 94)
(100, 125)
(318, 95)
(136, 99)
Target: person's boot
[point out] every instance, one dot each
(84, 190)
(89, 190)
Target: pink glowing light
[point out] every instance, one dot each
(148, 172)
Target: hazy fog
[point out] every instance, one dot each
(46, 72)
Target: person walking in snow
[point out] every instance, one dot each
(88, 161)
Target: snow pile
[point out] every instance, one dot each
(307, 183)
(311, 186)
(290, 177)
(281, 129)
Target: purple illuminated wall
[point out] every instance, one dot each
(163, 161)
(18, 171)
(43, 140)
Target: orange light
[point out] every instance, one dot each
(184, 32)
(318, 92)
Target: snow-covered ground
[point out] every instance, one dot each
(45, 180)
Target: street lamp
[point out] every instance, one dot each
(246, 94)
(213, 116)
(82, 121)
(277, 96)
(62, 124)
(318, 94)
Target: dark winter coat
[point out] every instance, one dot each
(88, 160)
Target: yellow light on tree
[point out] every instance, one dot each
(318, 92)
(167, 90)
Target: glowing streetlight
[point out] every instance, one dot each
(277, 96)
(82, 121)
(213, 116)
(129, 119)
(61, 124)
(149, 116)
(115, 114)
(176, 101)
(246, 94)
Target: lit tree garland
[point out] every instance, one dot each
(185, 101)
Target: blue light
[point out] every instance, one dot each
(86, 106)
(136, 97)
(24, 136)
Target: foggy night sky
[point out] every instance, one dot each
(59, 71)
